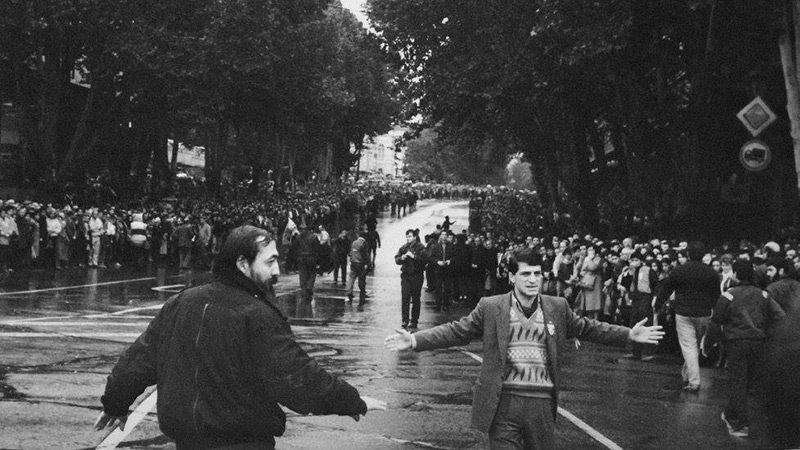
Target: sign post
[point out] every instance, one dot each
(755, 155)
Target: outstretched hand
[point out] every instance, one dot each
(646, 335)
(400, 341)
(106, 420)
(373, 404)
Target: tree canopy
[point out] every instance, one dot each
(268, 84)
(600, 96)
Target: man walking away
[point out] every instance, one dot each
(306, 247)
(696, 288)
(224, 359)
(374, 242)
(748, 315)
(341, 247)
(359, 260)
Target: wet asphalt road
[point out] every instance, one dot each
(61, 333)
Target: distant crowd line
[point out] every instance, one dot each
(188, 231)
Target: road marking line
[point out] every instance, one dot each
(586, 428)
(168, 288)
(86, 316)
(63, 288)
(77, 335)
(83, 324)
(117, 436)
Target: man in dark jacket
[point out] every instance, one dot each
(341, 247)
(307, 251)
(224, 359)
(412, 258)
(747, 315)
(441, 255)
(696, 288)
(784, 289)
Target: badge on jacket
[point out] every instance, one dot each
(551, 328)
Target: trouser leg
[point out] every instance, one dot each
(523, 423)
(690, 330)
(416, 293)
(405, 297)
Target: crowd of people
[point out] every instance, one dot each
(188, 230)
(680, 284)
(731, 306)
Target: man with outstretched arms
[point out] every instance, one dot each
(224, 359)
(524, 334)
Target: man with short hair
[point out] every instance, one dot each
(359, 262)
(748, 315)
(516, 395)
(95, 230)
(638, 284)
(412, 259)
(307, 251)
(224, 358)
(696, 288)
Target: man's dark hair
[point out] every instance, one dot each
(244, 241)
(411, 232)
(695, 250)
(779, 262)
(528, 256)
(743, 270)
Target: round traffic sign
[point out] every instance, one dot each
(755, 155)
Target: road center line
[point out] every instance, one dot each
(117, 436)
(586, 428)
(63, 288)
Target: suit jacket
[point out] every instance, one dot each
(490, 321)
(439, 253)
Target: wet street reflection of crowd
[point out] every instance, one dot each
(61, 332)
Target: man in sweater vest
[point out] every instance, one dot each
(524, 334)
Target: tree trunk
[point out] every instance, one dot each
(173, 167)
(79, 138)
(50, 103)
(789, 49)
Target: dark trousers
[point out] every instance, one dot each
(444, 289)
(744, 360)
(640, 309)
(430, 275)
(185, 257)
(307, 270)
(523, 423)
(340, 264)
(358, 272)
(410, 293)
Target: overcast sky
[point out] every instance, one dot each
(356, 6)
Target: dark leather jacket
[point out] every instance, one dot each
(224, 358)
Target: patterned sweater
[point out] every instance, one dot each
(527, 371)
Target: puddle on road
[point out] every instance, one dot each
(9, 392)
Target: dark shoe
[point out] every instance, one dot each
(405, 325)
(694, 389)
(742, 432)
(413, 325)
